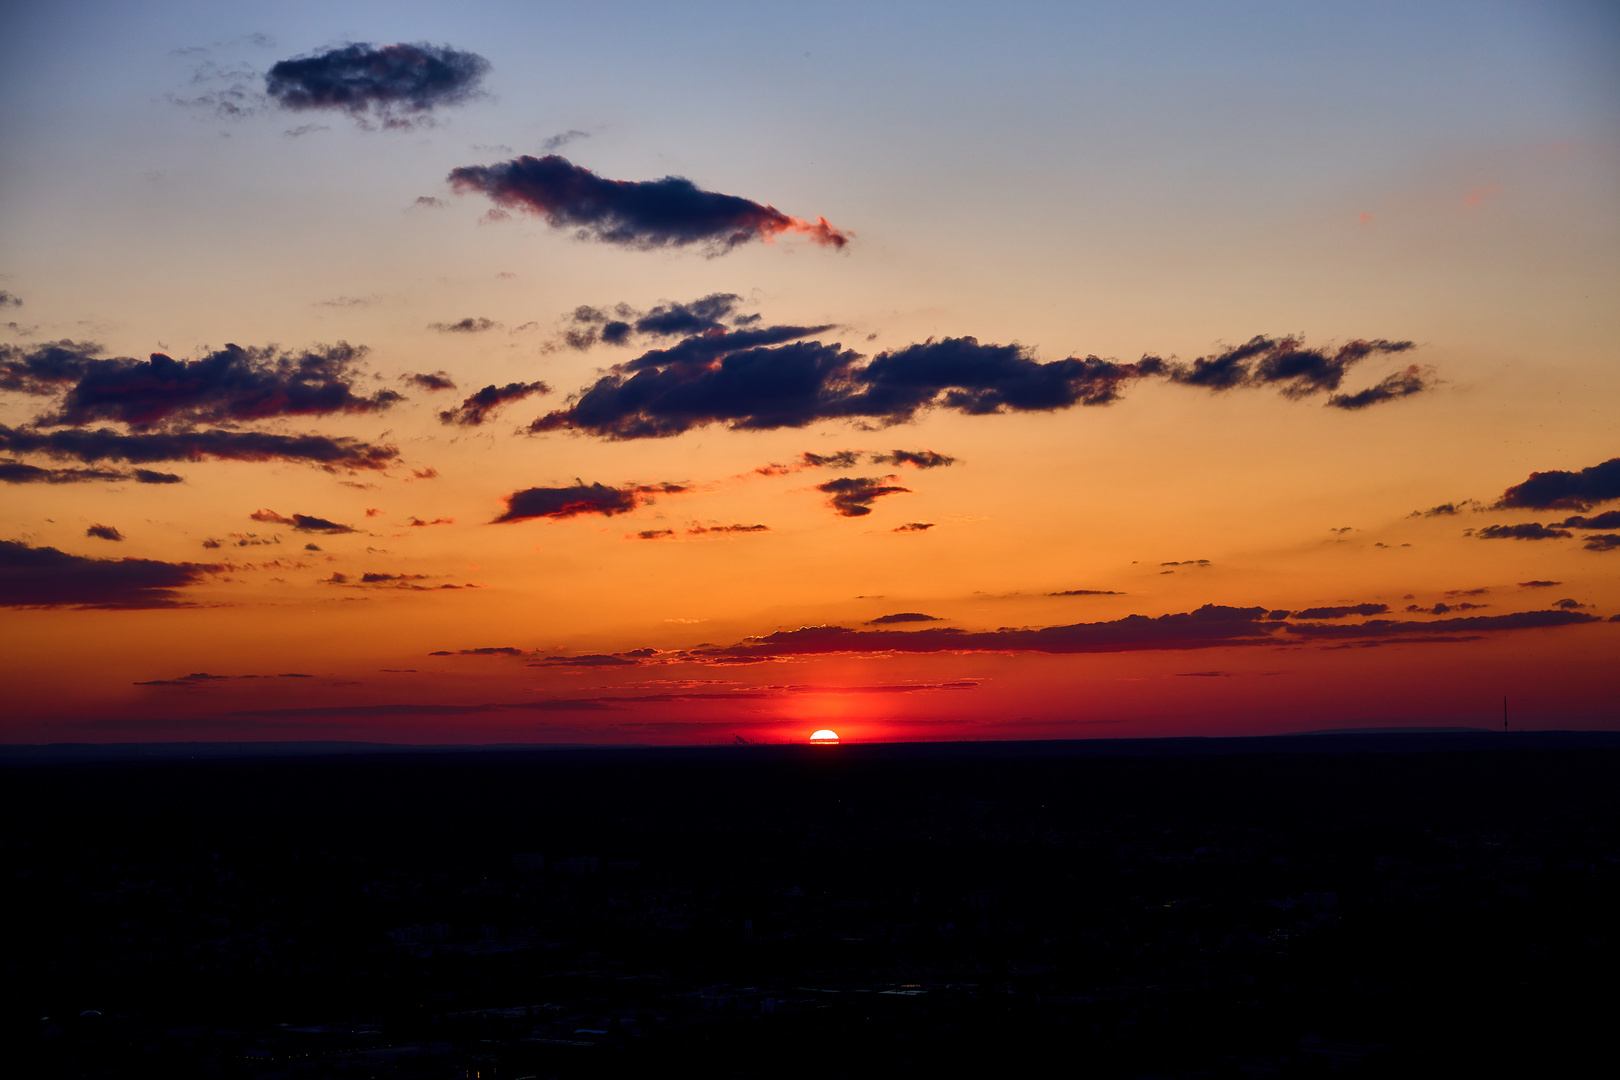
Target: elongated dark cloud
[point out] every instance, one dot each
(104, 532)
(920, 459)
(1086, 592)
(9, 300)
(397, 84)
(488, 650)
(1298, 371)
(46, 577)
(671, 212)
(705, 530)
(853, 496)
(732, 379)
(19, 472)
(303, 523)
(1468, 625)
(1559, 490)
(1609, 519)
(477, 407)
(465, 326)
(104, 444)
(430, 381)
(903, 617)
(1211, 626)
(1390, 388)
(231, 385)
(1341, 612)
(561, 503)
(838, 459)
(913, 526)
(1445, 509)
(1538, 584)
(1602, 542)
(1529, 530)
(655, 534)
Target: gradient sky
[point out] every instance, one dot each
(1058, 182)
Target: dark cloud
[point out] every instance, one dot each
(853, 496)
(104, 532)
(1391, 387)
(838, 459)
(9, 300)
(590, 660)
(1609, 519)
(397, 84)
(559, 503)
(1187, 562)
(655, 534)
(1296, 370)
(1560, 490)
(46, 577)
(303, 523)
(1538, 584)
(1468, 624)
(1445, 509)
(1529, 530)
(1569, 604)
(18, 472)
(903, 617)
(428, 202)
(703, 530)
(228, 386)
(196, 678)
(430, 381)
(488, 650)
(913, 526)
(375, 580)
(418, 523)
(739, 380)
(47, 368)
(1212, 626)
(465, 326)
(640, 214)
(1480, 591)
(476, 409)
(922, 459)
(1086, 592)
(104, 444)
(1341, 612)
(1602, 542)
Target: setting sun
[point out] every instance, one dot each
(825, 737)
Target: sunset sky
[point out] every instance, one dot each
(654, 373)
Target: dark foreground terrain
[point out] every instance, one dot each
(1327, 906)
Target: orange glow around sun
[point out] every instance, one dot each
(825, 737)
